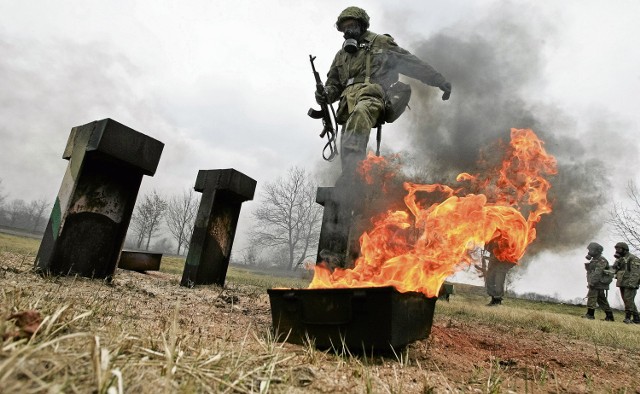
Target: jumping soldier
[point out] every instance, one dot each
(364, 77)
(361, 76)
(598, 279)
(627, 269)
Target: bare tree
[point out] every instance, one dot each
(37, 209)
(289, 217)
(250, 255)
(146, 219)
(180, 217)
(17, 212)
(625, 219)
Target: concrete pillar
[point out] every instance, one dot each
(91, 214)
(223, 192)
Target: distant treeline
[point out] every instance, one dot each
(30, 216)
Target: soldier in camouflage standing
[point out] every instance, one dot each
(496, 276)
(598, 279)
(627, 269)
(364, 77)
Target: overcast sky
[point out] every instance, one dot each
(228, 84)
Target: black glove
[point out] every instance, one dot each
(321, 97)
(446, 88)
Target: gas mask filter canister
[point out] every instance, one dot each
(350, 45)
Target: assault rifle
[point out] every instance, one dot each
(323, 113)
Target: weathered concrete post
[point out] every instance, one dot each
(334, 232)
(223, 192)
(91, 214)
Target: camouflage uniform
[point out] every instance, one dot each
(362, 104)
(597, 272)
(495, 278)
(627, 270)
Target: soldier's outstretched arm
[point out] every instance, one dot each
(410, 65)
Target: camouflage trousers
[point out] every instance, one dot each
(355, 133)
(629, 298)
(597, 297)
(494, 282)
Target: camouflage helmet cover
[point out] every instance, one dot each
(622, 245)
(596, 247)
(356, 13)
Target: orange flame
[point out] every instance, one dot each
(416, 249)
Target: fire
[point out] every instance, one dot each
(417, 248)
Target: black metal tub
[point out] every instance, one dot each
(362, 319)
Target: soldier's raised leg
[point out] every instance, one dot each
(348, 188)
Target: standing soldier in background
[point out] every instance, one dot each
(598, 279)
(364, 77)
(495, 276)
(627, 269)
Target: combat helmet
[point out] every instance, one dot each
(356, 13)
(622, 245)
(596, 247)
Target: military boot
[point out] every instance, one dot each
(590, 314)
(609, 316)
(636, 318)
(627, 317)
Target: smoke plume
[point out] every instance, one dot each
(496, 65)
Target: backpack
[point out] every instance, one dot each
(396, 101)
(396, 96)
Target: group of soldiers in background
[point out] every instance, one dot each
(626, 270)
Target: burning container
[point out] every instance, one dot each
(365, 319)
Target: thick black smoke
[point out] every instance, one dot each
(496, 65)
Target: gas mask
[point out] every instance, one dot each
(619, 253)
(351, 34)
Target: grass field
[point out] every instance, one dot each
(144, 333)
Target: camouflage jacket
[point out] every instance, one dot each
(347, 74)
(598, 273)
(627, 270)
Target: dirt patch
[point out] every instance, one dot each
(524, 359)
